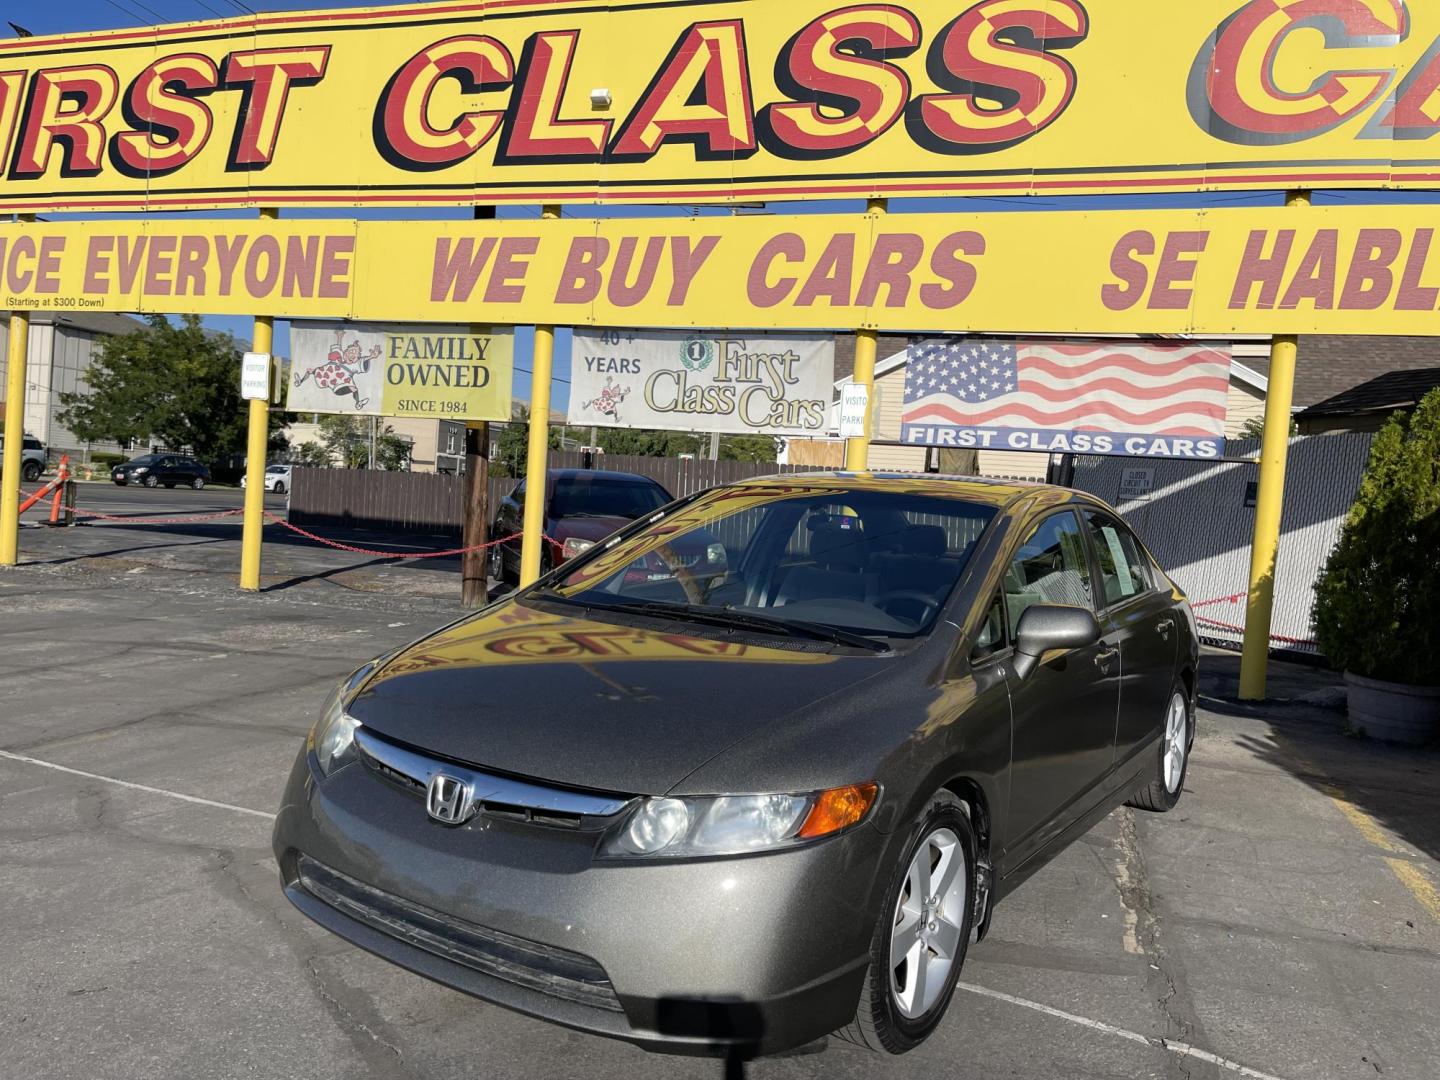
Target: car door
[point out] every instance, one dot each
(165, 470)
(1142, 618)
(1064, 712)
(508, 521)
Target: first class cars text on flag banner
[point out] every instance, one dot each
(444, 372)
(1322, 270)
(718, 381)
(1094, 397)
(549, 101)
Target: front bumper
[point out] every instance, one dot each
(757, 955)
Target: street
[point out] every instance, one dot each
(1281, 924)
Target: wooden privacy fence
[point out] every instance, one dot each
(397, 502)
(431, 504)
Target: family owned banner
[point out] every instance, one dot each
(368, 369)
(716, 381)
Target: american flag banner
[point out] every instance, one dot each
(1084, 397)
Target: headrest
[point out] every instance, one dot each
(923, 540)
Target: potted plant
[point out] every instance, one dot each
(1377, 610)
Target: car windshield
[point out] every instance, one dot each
(863, 560)
(604, 496)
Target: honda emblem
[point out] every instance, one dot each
(448, 800)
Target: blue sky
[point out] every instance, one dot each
(56, 16)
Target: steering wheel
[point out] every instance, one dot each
(928, 604)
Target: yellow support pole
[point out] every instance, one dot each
(14, 434)
(1269, 503)
(538, 452)
(256, 447)
(857, 451)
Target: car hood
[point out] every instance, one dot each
(589, 703)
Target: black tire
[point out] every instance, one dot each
(198, 483)
(30, 470)
(497, 563)
(1157, 796)
(879, 1025)
(279, 489)
(151, 481)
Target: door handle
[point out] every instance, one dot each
(1102, 659)
(1164, 626)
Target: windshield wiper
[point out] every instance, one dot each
(765, 624)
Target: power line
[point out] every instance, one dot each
(126, 11)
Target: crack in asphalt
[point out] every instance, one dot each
(1165, 979)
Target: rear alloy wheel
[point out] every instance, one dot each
(920, 942)
(198, 483)
(152, 481)
(30, 471)
(497, 563)
(1172, 759)
(279, 489)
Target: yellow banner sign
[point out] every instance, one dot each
(437, 372)
(1333, 270)
(703, 101)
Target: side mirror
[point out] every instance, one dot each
(1051, 626)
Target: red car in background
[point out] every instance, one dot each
(582, 507)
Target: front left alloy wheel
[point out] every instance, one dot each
(921, 940)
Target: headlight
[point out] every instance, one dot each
(333, 736)
(575, 546)
(736, 824)
(142, 469)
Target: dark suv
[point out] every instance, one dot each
(152, 470)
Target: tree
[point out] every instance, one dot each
(175, 384)
(1254, 428)
(514, 444)
(1376, 602)
(345, 443)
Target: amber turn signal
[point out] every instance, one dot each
(837, 809)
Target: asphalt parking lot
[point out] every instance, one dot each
(1282, 924)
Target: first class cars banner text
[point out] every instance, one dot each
(1324, 270)
(533, 101)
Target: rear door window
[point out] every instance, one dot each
(1124, 569)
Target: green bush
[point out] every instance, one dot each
(1377, 604)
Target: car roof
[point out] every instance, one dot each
(602, 474)
(976, 489)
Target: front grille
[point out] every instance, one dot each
(510, 798)
(542, 968)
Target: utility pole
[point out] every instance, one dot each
(475, 564)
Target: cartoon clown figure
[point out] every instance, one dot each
(337, 373)
(609, 399)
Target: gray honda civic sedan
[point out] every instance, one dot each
(732, 796)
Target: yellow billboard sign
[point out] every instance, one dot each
(1323, 270)
(529, 101)
(403, 370)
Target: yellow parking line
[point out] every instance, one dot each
(1415, 879)
(1364, 824)
(1410, 873)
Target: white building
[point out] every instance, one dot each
(62, 347)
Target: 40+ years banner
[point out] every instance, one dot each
(1322, 270)
(719, 381)
(536, 101)
(443, 372)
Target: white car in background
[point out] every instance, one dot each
(277, 479)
